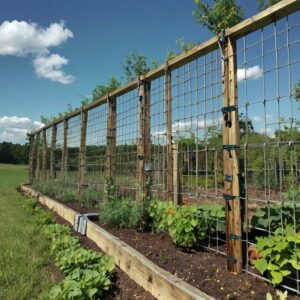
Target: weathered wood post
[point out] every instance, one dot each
(82, 154)
(30, 162)
(38, 156)
(52, 154)
(44, 168)
(231, 145)
(64, 154)
(177, 196)
(111, 138)
(144, 165)
(170, 168)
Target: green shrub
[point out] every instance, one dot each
(43, 217)
(91, 197)
(279, 254)
(122, 213)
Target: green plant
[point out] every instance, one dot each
(185, 228)
(30, 204)
(160, 212)
(122, 213)
(280, 214)
(77, 258)
(135, 65)
(279, 254)
(81, 284)
(224, 14)
(43, 217)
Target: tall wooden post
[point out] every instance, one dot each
(144, 165)
(38, 157)
(170, 167)
(111, 139)
(30, 162)
(52, 155)
(82, 153)
(64, 154)
(231, 143)
(44, 168)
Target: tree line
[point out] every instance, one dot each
(14, 153)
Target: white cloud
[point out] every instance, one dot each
(250, 73)
(50, 67)
(22, 39)
(261, 118)
(268, 131)
(14, 129)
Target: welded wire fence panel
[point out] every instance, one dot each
(58, 151)
(196, 90)
(158, 127)
(74, 134)
(96, 140)
(127, 133)
(268, 80)
(48, 145)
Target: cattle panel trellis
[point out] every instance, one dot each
(217, 125)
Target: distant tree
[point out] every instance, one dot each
(223, 14)
(264, 4)
(297, 90)
(135, 65)
(102, 90)
(14, 153)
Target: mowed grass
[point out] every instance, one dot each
(24, 251)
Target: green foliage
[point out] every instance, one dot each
(264, 4)
(279, 215)
(122, 213)
(297, 91)
(43, 217)
(81, 284)
(223, 14)
(160, 212)
(57, 189)
(103, 90)
(135, 65)
(187, 224)
(279, 254)
(184, 46)
(87, 272)
(14, 153)
(190, 223)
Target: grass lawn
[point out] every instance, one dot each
(24, 251)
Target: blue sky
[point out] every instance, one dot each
(78, 44)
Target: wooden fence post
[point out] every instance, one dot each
(231, 143)
(53, 147)
(44, 168)
(177, 196)
(144, 166)
(82, 153)
(111, 139)
(170, 167)
(64, 154)
(30, 162)
(38, 157)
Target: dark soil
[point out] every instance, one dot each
(205, 270)
(123, 287)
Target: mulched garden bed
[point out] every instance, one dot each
(123, 287)
(205, 270)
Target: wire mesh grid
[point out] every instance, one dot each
(48, 149)
(73, 142)
(127, 133)
(158, 138)
(196, 90)
(268, 75)
(58, 151)
(96, 139)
